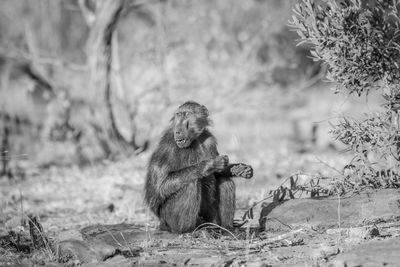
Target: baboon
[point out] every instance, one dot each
(188, 182)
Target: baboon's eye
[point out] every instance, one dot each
(183, 114)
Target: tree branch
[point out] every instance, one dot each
(87, 14)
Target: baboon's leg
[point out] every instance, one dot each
(226, 200)
(209, 203)
(180, 213)
(163, 225)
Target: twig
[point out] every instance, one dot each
(278, 238)
(87, 14)
(329, 166)
(338, 210)
(116, 241)
(262, 200)
(23, 56)
(126, 243)
(276, 219)
(216, 225)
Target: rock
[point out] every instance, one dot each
(355, 210)
(372, 232)
(373, 253)
(69, 234)
(84, 252)
(102, 249)
(96, 243)
(117, 261)
(75, 250)
(123, 234)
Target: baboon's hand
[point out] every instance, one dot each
(215, 165)
(221, 162)
(242, 170)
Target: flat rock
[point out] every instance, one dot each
(75, 250)
(354, 210)
(373, 253)
(118, 235)
(106, 245)
(84, 252)
(69, 234)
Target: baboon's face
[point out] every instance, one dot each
(189, 122)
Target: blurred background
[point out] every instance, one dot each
(70, 68)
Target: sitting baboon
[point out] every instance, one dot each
(188, 182)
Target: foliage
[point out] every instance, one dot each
(360, 43)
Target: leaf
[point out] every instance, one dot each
(248, 214)
(283, 195)
(292, 183)
(291, 194)
(276, 196)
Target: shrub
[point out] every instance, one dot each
(360, 43)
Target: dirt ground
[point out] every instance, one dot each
(95, 216)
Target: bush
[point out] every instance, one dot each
(360, 43)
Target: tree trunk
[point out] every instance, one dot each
(100, 56)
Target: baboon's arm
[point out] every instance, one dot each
(173, 181)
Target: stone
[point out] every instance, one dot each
(102, 249)
(84, 252)
(123, 235)
(355, 210)
(76, 250)
(69, 234)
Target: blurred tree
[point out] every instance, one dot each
(160, 52)
(102, 18)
